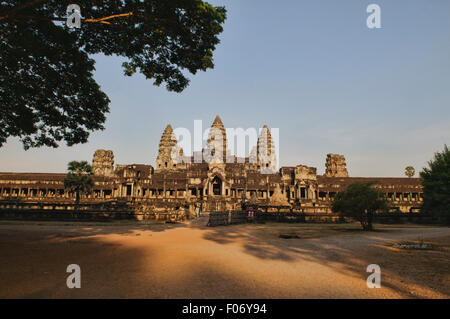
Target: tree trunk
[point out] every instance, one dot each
(364, 225)
(77, 198)
(369, 221)
(366, 221)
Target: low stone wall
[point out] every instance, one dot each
(115, 209)
(240, 217)
(218, 219)
(71, 215)
(167, 216)
(65, 211)
(58, 215)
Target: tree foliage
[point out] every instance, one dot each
(79, 178)
(360, 201)
(436, 186)
(410, 171)
(47, 90)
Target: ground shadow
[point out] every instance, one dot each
(34, 261)
(351, 250)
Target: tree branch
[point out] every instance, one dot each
(99, 20)
(103, 20)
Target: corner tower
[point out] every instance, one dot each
(335, 166)
(103, 163)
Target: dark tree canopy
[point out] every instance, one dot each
(47, 90)
(360, 201)
(436, 186)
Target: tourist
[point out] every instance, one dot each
(197, 211)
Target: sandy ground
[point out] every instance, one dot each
(241, 261)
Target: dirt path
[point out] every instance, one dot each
(242, 261)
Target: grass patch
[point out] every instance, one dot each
(418, 244)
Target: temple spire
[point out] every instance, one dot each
(216, 150)
(266, 157)
(218, 120)
(169, 152)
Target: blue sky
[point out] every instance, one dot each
(312, 69)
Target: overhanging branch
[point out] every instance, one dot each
(103, 20)
(97, 20)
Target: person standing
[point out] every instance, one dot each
(197, 211)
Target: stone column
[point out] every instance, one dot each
(164, 188)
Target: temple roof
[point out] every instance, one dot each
(218, 120)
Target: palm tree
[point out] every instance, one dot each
(410, 171)
(79, 179)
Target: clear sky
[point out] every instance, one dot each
(312, 69)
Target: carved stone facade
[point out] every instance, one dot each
(214, 184)
(103, 163)
(335, 166)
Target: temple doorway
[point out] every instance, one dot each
(217, 186)
(129, 190)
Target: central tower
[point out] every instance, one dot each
(216, 149)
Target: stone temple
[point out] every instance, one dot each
(218, 182)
